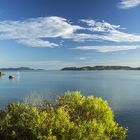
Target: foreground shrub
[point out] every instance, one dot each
(72, 117)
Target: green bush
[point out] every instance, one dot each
(71, 117)
(1, 73)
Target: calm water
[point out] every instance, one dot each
(120, 88)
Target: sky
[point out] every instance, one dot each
(52, 34)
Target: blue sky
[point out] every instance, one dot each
(52, 34)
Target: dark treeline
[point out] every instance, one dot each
(101, 68)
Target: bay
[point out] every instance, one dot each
(120, 88)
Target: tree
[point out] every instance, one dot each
(1, 73)
(71, 117)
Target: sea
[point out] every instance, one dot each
(119, 87)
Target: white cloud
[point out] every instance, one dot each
(59, 64)
(32, 30)
(81, 58)
(39, 32)
(106, 32)
(105, 49)
(99, 26)
(48, 64)
(37, 43)
(126, 4)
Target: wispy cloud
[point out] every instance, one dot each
(58, 64)
(81, 58)
(103, 26)
(48, 64)
(126, 4)
(37, 42)
(41, 31)
(105, 49)
(106, 32)
(31, 31)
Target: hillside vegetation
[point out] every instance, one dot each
(100, 68)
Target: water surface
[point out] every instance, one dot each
(120, 88)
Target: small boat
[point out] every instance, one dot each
(11, 77)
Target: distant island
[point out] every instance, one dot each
(19, 69)
(90, 68)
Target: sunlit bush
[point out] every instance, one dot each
(1, 73)
(71, 117)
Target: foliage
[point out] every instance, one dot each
(34, 100)
(1, 73)
(72, 117)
